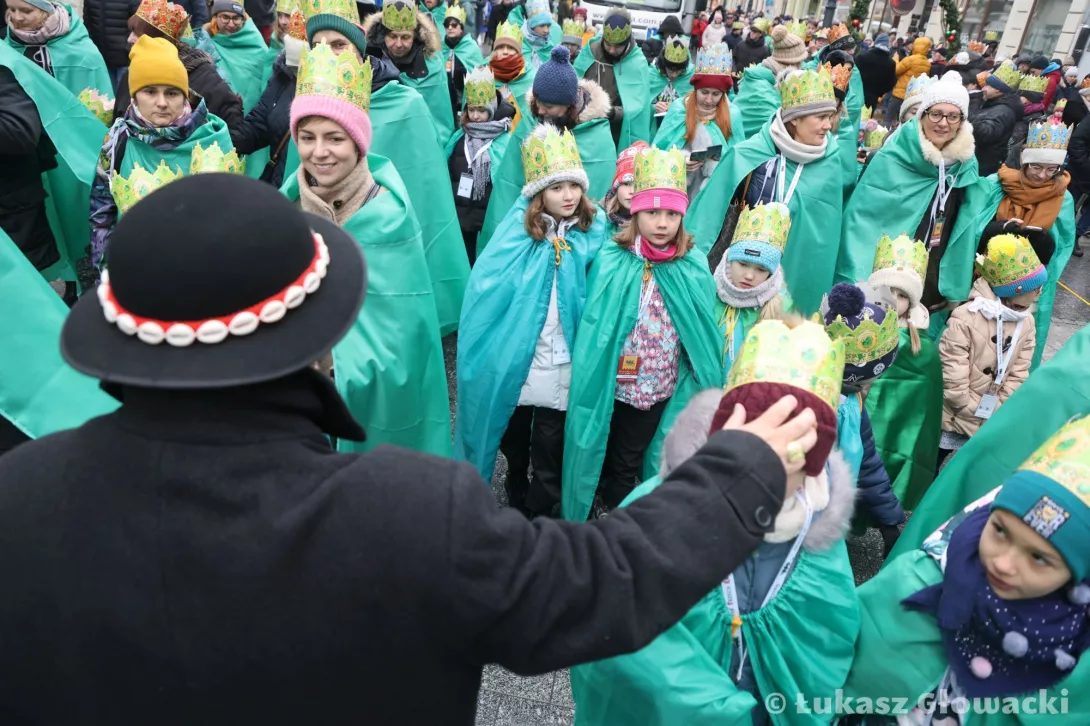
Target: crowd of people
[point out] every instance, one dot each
(714, 299)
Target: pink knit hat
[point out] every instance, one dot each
(671, 199)
(355, 122)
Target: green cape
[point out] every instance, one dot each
(596, 149)
(214, 130)
(389, 367)
(633, 82)
(985, 201)
(758, 98)
(39, 393)
(433, 88)
(517, 16)
(542, 52)
(438, 13)
(892, 197)
(77, 134)
(613, 292)
(1056, 392)
(244, 56)
(76, 62)
(496, 151)
(905, 409)
(847, 133)
(810, 257)
(657, 84)
(672, 131)
(467, 51)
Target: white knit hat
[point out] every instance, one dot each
(947, 89)
(911, 285)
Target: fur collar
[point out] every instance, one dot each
(425, 33)
(960, 149)
(594, 98)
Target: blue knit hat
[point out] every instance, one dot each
(556, 83)
(868, 328)
(538, 13)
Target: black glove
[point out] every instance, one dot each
(890, 534)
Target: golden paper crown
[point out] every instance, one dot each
(769, 223)
(797, 28)
(837, 32)
(901, 253)
(676, 51)
(345, 9)
(297, 25)
(869, 340)
(865, 114)
(573, 28)
(874, 138)
(100, 104)
(480, 87)
(139, 184)
(399, 16)
(1010, 258)
(1049, 134)
(658, 169)
(803, 357)
(457, 12)
(802, 88)
(976, 46)
(510, 32)
(321, 73)
(1065, 458)
(991, 36)
(164, 16)
(548, 151)
(762, 24)
(617, 36)
(212, 160)
(286, 6)
(841, 75)
(1008, 74)
(1033, 84)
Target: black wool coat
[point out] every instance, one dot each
(268, 124)
(107, 24)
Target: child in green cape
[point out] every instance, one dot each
(540, 33)
(618, 200)
(993, 607)
(647, 335)
(670, 76)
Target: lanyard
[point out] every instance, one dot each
(1003, 362)
(780, 180)
(730, 321)
(473, 160)
(645, 298)
(938, 206)
(730, 592)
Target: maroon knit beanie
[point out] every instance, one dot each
(756, 398)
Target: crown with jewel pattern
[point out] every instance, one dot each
(803, 88)
(398, 16)
(837, 32)
(868, 341)
(901, 253)
(297, 25)
(480, 87)
(676, 51)
(139, 184)
(1048, 134)
(917, 86)
(1065, 458)
(457, 12)
(345, 9)
(286, 6)
(1008, 74)
(548, 152)
(1011, 266)
(212, 160)
(658, 169)
(537, 7)
(767, 223)
(100, 104)
(991, 36)
(762, 24)
(616, 36)
(573, 28)
(975, 46)
(873, 138)
(841, 74)
(865, 115)
(166, 17)
(321, 73)
(714, 60)
(1033, 84)
(797, 28)
(509, 31)
(803, 357)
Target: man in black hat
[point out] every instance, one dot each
(203, 556)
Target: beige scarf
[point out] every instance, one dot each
(340, 201)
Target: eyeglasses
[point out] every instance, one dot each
(230, 18)
(951, 118)
(1043, 169)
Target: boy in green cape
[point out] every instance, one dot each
(759, 92)
(514, 78)
(540, 33)
(669, 78)
(241, 51)
(458, 43)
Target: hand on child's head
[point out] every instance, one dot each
(1019, 563)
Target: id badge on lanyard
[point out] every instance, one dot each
(628, 368)
(936, 231)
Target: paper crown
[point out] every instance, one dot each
(100, 104)
(616, 36)
(457, 12)
(1065, 459)
(480, 87)
(1060, 107)
(297, 25)
(573, 28)
(762, 24)
(286, 6)
(841, 75)
(1034, 84)
(976, 46)
(901, 253)
(1008, 74)
(345, 9)
(321, 73)
(865, 114)
(769, 223)
(139, 184)
(869, 340)
(548, 151)
(510, 32)
(918, 85)
(398, 16)
(797, 28)
(164, 16)
(803, 357)
(1048, 134)
(991, 36)
(658, 169)
(837, 32)
(676, 51)
(212, 160)
(738, 25)
(1010, 259)
(714, 60)
(873, 138)
(803, 88)
(537, 7)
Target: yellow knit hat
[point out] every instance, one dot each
(154, 62)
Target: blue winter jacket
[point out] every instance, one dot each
(876, 496)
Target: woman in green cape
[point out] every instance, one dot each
(153, 142)
(514, 78)
(991, 609)
(54, 37)
(540, 33)
(703, 119)
(669, 78)
(647, 335)
(559, 98)
(758, 91)
(458, 43)
(917, 184)
(242, 54)
(794, 161)
(389, 367)
(796, 631)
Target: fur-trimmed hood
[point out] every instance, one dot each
(690, 432)
(594, 99)
(426, 34)
(961, 148)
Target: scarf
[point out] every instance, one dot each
(56, 25)
(793, 515)
(795, 151)
(754, 297)
(1049, 631)
(775, 66)
(1037, 205)
(1000, 313)
(651, 253)
(339, 201)
(164, 137)
(535, 41)
(479, 134)
(508, 69)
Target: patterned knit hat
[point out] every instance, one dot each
(550, 156)
(865, 319)
(948, 89)
(556, 83)
(1011, 266)
(787, 49)
(658, 181)
(760, 236)
(626, 164)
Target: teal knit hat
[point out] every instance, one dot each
(327, 21)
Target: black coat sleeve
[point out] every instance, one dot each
(992, 124)
(876, 495)
(541, 595)
(218, 97)
(1078, 155)
(253, 132)
(20, 124)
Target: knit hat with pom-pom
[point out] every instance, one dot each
(787, 49)
(845, 309)
(556, 83)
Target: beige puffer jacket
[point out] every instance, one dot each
(969, 362)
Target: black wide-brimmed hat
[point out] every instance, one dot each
(216, 280)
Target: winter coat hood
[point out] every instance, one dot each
(921, 46)
(426, 35)
(593, 99)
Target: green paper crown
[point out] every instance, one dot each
(803, 357)
(658, 169)
(901, 253)
(1033, 84)
(617, 36)
(865, 114)
(1065, 459)
(509, 31)
(1007, 73)
(212, 160)
(139, 184)
(573, 29)
(480, 87)
(1010, 258)
(676, 51)
(286, 6)
(991, 36)
(100, 104)
(398, 16)
(803, 88)
(345, 9)
(797, 28)
(874, 138)
(869, 340)
(769, 223)
(547, 152)
(321, 73)
(762, 24)
(457, 12)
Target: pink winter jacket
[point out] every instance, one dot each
(967, 350)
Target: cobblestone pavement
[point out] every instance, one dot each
(508, 700)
